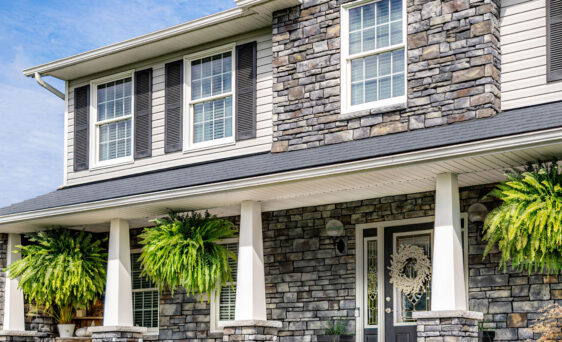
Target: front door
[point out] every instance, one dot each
(400, 326)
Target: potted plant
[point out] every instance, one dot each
(485, 334)
(190, 245)
(549, 324)
(61, 270)
(526, 227)
(336, 332)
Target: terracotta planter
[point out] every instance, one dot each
(486, 336)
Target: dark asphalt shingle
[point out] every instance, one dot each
(515, 121)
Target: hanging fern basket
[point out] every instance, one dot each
(184, 250)
(527, 225)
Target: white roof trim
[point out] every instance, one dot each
(488, 146)
(244, 8)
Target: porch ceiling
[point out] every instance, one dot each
(394, 177)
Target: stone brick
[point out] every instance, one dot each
(479, 29)
(468, 74)
(417, 40)
(517, 320)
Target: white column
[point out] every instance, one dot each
(14, 317)
(250, 283)
(118, 308)
(447, 285)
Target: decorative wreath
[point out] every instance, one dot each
(415, 256)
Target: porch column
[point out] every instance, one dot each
(250, 283)
(447, 282)
(118, 308)
(14, 316)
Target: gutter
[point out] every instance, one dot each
(47, 86)
(485, 147)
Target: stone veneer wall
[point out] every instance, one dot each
(307, 284)
(3, 261)
(453, 72)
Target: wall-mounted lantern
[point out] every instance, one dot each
(336, 231)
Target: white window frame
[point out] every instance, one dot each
(94, 134)
(346, 59)
(154, 330)
(188, 144)
(215, 300)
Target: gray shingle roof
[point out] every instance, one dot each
(515, 121)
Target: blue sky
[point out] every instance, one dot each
(33, 32)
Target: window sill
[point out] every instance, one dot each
(396, 103)
(117, 162)
(195, 148)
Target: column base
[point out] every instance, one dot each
(21, 335)
(450, 326)
(116, 333)
(251, 330)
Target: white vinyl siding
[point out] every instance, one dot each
(523, 47)
(145, 296)
(159, 159)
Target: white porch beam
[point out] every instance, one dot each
(14, 316)
(250, 286)
(447, 282)
(118, 308)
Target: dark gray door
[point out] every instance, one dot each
(399, 324)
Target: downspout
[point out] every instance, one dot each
(48, 86)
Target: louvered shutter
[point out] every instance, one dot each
(246, 74)
(174, 110)
(143, 113)
(554, 40)
(81, 127)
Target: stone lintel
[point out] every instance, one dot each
(117, 328)
(20, 333)
(449, 314)
(250, 323)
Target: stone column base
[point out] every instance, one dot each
(250, 330)
(20, 336)
(449, 326)
(116, 334)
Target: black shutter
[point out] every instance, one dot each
(143, 113)
(81, 127)
(246, 74)
(554, 40)
(174, 103)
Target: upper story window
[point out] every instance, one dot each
(210, 99)
(373, 55)
(113, 119)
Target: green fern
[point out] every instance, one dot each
(182, 250)
(60, 271)
(527, 225)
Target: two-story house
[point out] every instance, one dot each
(334, 132)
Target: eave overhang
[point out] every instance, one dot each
(249, 15)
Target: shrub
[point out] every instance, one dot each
(183, 250)
(527, 225)
(60, 271)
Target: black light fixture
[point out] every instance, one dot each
(336, 231)
(477, 213)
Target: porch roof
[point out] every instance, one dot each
(516, 122)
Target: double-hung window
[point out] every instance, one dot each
(145, 296)
(223, 305)
(113, 119)
(210, 98)
(373, 58)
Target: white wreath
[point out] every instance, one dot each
(422, 267)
